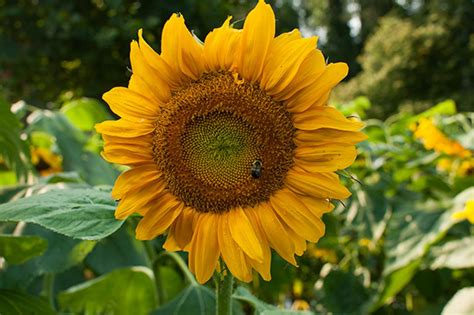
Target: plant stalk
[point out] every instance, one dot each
(224, 288)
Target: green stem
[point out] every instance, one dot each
(181, 264)
(48, 288)
(224, 288)
(153, 258)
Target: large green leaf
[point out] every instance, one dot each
(462, 303)
(83, 213)
(118, 250)
(62, 253)
(18, 249)
(71, 143)
(13, 150)
(123, 291)
(16, 303)
(411, 232)
(456, 254)
(244, 295)
(84, 113)
(195, 299)
(394, 283)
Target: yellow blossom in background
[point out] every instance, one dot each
(45, 161)
(231, 146)
(300, 305)
(323, 254)
(467, 213)
(459, 160)
(434, 139)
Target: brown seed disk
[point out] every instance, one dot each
(211, 132)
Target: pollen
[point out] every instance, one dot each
(210, 135)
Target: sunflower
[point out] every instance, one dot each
(231, 147)
(46, 161)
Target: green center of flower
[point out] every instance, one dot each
(218, 148)
(222, 144)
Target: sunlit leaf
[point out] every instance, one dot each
(455, 254)
(16, 303)
(18, 249)
(83, 213)
(461, 303)
(84, 113)
(122, 291)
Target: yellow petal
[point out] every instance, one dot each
(184, 227)
(325, 158)
(325, 135)
(257, 35)
(134, 178)
(324, 117)
(296, 215)
(298, 241)
(285, 57)
(170, 244)
(139, 200)
(317, 206)
(204, 248)
(321, 185)
(157, 62)
(233, 256)
(125, 128)
(158, 220)
(307, 97)
(131, 105)
(311, 68)
(128, 151)
(148, 75)
(220, 46)
(244, 235)
(263, 267)
(181, 50)
(124, 155)
(276, 233)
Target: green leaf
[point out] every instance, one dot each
(394, 283)
(447, 107)
(244, 295)
(411, 232)
(71, 143)
(123, 291)
(286, 312)
(14, 151)
(84, 113)
(118, 250)
(195, 299)
(16, 303)
(62, 253)
(85, 213)
(456, 254)
(18, 249)
(461, 303)
(343, 291)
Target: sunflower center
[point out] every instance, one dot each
(222, 144)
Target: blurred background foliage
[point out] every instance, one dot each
(409, 53)
(400, 245)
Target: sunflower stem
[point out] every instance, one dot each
(224, 288)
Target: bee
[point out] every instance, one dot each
(256, 169)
